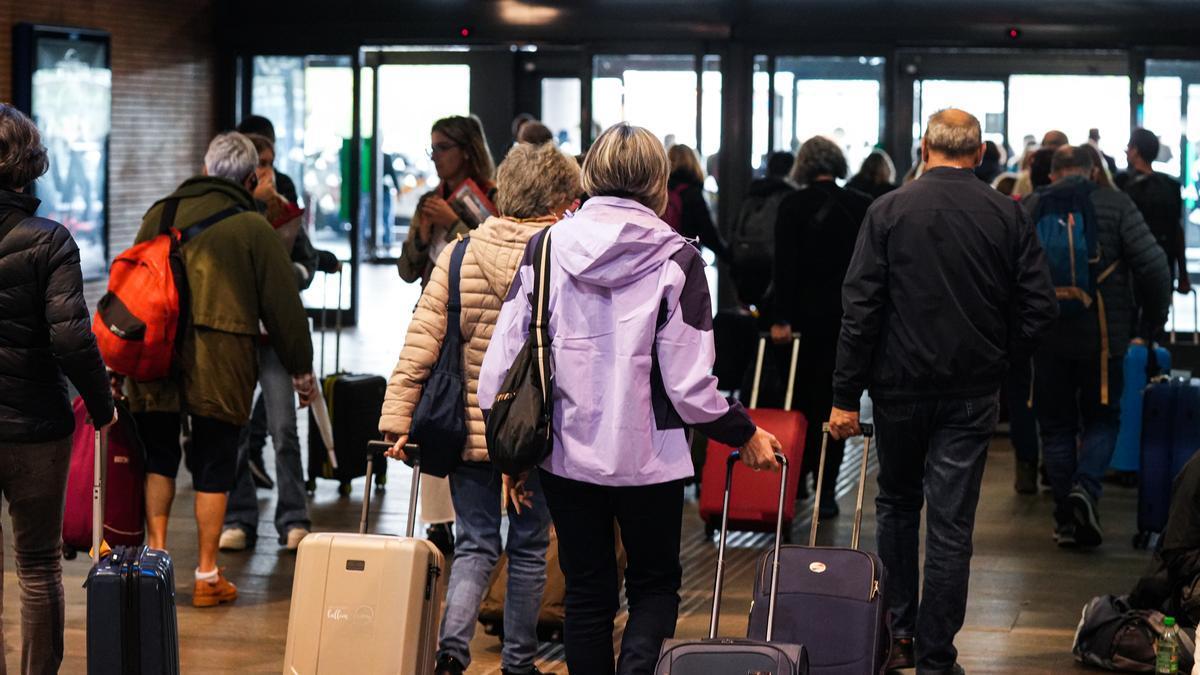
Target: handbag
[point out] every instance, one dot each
(519, 433)
(439, 424)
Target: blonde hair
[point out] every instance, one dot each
(684, 159)
(534, 180)
(628, 161)
(467, 132)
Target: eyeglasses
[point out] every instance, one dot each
(439, 148)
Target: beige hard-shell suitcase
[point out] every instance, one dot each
(365, 603)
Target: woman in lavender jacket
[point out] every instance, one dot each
(632, 346)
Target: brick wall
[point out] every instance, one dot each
(164, 79)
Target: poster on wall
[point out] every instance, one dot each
(63, 80)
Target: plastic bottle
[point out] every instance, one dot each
(1166, 659)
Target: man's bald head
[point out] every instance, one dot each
(954, 134)
(1070, 161)
(1054, 139)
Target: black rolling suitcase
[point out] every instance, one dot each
(713, 655)
(829, 599)
(353, 403)
(131, 625)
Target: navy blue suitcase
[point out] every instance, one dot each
(131, 625)
(829, 599)
(714, 655)
(1170, 436)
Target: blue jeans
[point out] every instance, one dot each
(475, 489)
(931, 452)
(1078, 433)
(291, 508)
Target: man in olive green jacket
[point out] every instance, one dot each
(238, 276)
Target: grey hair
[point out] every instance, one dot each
(953, 133)
(535, 179)
(231, 155)
(1070, 158)
(819, 156)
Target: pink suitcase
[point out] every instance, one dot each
(124, 475)
(366, 603)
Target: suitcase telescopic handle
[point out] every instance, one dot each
(758, 367)
(1195, 318)
(378, 448)
(868, 431)
(101, 457)
(719, 583)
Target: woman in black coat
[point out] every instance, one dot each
(45, 339)
(687, 211)
(814, 239)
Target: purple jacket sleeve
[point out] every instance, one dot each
(512, 329)
(686, 353)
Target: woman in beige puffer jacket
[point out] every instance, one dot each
(535, 185)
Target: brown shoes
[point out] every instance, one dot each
(213, 593)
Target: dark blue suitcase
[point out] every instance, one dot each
(1126, 456)
(715, 655)
(1170, 436)
(131, 626)
(829, 599)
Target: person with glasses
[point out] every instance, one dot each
(460, 153)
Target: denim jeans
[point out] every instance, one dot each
(649, 517)
(1022, 420)
(1078, 433)
(33, 479)
(475, 488)
(291, 508)
(931, 452)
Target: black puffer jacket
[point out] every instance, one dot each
(45, 329)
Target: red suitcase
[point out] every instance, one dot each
(124, 478)
(753, 503)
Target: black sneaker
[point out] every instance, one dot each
(442, 536)
(1087, 522)
(448, 665)
(259, 474)
(901, 656)
(1064, 535)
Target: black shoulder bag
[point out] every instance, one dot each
(519, 426)
(439, 424)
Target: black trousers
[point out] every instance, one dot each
(649, 517)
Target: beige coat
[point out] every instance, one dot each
(489, 266)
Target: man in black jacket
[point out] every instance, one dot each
(45, 340)
(947, 283)
(1159, 198)
(1079, 365)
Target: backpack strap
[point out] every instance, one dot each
(197, 229)
(167, 220)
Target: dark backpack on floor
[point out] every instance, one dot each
(1113, 636)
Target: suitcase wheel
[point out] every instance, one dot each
(494, 628)
(1146, 540)
(69, 553)
(344, 489)
(380, 481)
(310, 485)
(710, 530)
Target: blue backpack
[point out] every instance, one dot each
(1066, 225)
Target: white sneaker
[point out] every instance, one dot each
(295, 536)
(232, 539)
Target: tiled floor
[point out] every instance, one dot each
(1025, 593)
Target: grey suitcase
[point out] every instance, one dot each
(830, 599)
(713, 655)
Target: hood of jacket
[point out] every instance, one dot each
(498, 244)
(612, 241)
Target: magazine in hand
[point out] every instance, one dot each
(471, 204)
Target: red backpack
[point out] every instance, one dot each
(138, 320)
(673, 216)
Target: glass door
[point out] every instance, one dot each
(1073, 104)
(562, 105)
(310, 100)
(1171, 109)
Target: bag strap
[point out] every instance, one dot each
(539, 320)
(454, 297)
(197, 229)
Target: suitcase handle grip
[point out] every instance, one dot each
(758, 366)
(414, 453)
(868, 432)
(101, 462)
(1195, 318)
(719, 583)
